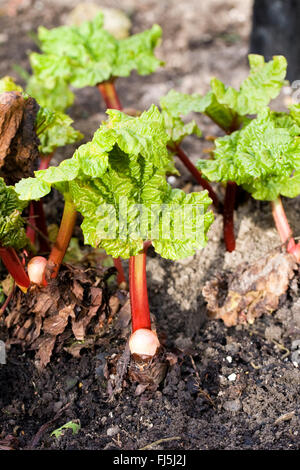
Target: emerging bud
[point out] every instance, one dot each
(144, 342)
(36, 268)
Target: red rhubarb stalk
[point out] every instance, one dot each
(283, 228)
(30, 231)
(109, 94)
(14, 266)
(63, 238)
(121, 279)
(228, 212)
(37, 225)
(196, 174)
(140, 313)
(45, 161)
(41, 225)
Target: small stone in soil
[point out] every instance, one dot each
(232, 405)
(232, 377)
(113, 431)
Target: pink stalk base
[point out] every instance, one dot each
(283, 228)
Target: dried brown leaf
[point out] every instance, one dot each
(55, 324)
(251, 291)
(18, 140)
(44, 346)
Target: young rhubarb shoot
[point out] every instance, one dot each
(12, 234)
(118, 183)
(88, 55)
(228, 108)
(263, 158)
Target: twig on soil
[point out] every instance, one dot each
(43, 429)
(254, 366)
(166, 439)
(283, 348)
(285, 417)
(198, 382)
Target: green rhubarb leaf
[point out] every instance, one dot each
(87, 54)
(295, 113)
(174, 106)
(118, 183)
(262, 85)
(136, 53)
(263, 157)
(12, 232)
(226, 106)
(7, 84)
(32, 189)
(54, 130)
(53, 93)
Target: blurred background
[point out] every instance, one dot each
(201, 39)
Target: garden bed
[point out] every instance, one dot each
(225, 388)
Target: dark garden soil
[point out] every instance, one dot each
(225, 388)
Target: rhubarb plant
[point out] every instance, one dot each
(264, 158)
(231, 110)
(12, 234)
(118, 183)
(88, 55)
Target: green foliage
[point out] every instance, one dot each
(54, 130)
(175, 105)
(74, 425)
(7, 84)
(226, 106)
(263, 157)
(121, 176)
(86, 55)
(12, 231)
(53, 93)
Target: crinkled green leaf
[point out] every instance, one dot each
(262, 85)
(117, 179)
(35, 188)
(7, 84)
(12, 232)
(32, 189)
(263, 157)
(295, 113)
(53, 93)
(174, 105)
(87, 54)
(136, 53)
(226, 106)
(54, 130)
